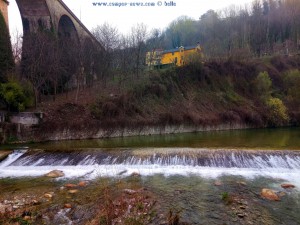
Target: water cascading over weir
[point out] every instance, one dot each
(149, 161)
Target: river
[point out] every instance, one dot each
(181, 168)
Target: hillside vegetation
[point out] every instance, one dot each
(259, 93)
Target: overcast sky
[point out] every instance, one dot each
(125, 17)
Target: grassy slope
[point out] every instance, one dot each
(208, 94)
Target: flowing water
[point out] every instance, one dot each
(267, 152)
(211, 163)
(179, 166)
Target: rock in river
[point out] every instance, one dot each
(67, 206)
(70, 185)
(48, 195)
(269, 194)
(129, 191)
(285, 186)
(55, 174)
(73, 191)
(5, 208)
(82, 184)
(218, 183)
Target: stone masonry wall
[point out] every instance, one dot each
(4, 10)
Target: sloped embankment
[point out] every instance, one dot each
(213, 95)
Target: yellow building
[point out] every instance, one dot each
(174, 57)
(4, 11)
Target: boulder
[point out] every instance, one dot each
(70, 185)
(218, 183)
(129, 191)
(286, 186)
(27, 218)
(48, 195)
(269, 194)
(241, 215)
(135, 174)
(242, 183)
(35, 202)
(67, 206)
(73, 191)
(82, 183)
(5, 208)
(55, 174)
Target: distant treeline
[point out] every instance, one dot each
(262, 28)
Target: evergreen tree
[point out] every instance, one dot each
(6, 56)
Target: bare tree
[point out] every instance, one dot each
(109, 37)
(17, 41)
(34, 60)
(123, 63)
(48, 62)
(54, 66)
(154, 47)
(138, 38)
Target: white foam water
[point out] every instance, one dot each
(12, 158)
(206, 163)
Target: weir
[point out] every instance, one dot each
(149, 161)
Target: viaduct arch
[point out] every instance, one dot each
(53, 15)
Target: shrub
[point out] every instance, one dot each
(263, 85)
(194, 58)
(277, 113)
(227, 198)
(15, 96)
(292, 84)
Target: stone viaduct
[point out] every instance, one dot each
(53, 15)
(3, 9)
